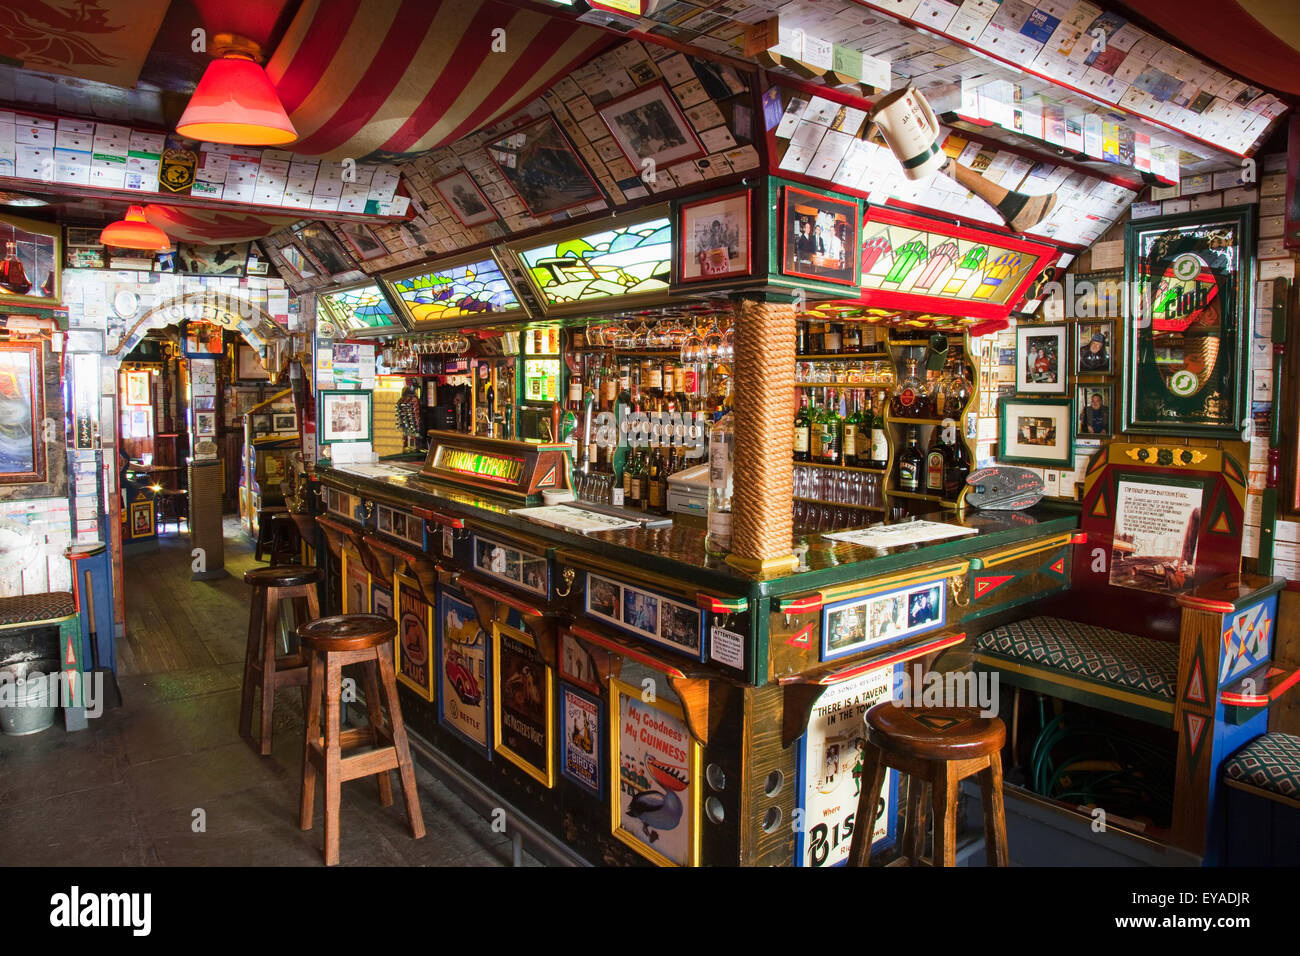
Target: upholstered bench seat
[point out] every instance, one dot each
(1093, 665)
(1270, 762)
(52, 606)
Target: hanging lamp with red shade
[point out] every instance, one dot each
(235, 101)
(135, 232)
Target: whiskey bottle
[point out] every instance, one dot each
(912, 397)
(879, 442)
(852, 421)
(910, 464)
(801, 429)
(936, 462)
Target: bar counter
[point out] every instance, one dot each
(754, 673)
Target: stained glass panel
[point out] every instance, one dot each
(898, 258)
(472, 290)
(630, 260)
(360, 308)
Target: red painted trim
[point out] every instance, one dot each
(838, 677)
(721, 605)
(1274, 692)
(1080, 537)
(802, 605)
(379, 544)
(1205, 604)
(611, 645)
(437, 517)
(469, 584)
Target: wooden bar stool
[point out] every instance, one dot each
(286, 545)
(333, 643)
(262, 669)
(938, 747)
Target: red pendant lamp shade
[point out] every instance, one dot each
(235, 102)
(134, 232)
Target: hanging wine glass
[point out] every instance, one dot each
(625, 336)
(641, 336)
(727, 351)
(713, 343)
(693, 346)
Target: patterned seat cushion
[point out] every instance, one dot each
(1270, 762)
(1138, 664)
(34, 608)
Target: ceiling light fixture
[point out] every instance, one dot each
(18, 199)
(135, 232)
(235, 102)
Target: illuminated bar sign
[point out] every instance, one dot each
(631, 260)
(497, 468)
(917, 264)
(456, 292)
(359, 310)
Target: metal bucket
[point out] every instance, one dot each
(27, 708)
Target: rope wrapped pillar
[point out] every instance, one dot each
(763, 417)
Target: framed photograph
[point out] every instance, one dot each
(582, 739)
(299, 265)
(523, 712)
(1186, 368)
(465, 200)
(830, 764)
(508, 563)
(203, 340)
(543, 169)
(656, 810)
(365, 244)
(137, 388)
(261, 424)
(463, 672)
(317, 239)
(415, 628)
(819, 237)
(650, 128)
(1036, 432)
(381, 600)
(650, 615)
(284, 421)
(22, 450)
(852, 626)
(1155, 519)
(32, 264)
(715, 238)
(1093, 404)
(227, 259)
(344, 416)
(258, 267)
(143, 523)
(84, 236)
(577, 666)
(1040, 359)
(1094, 348)
(205, 424)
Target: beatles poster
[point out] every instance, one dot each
(522, 719)
(654, 810)
(462, 669)
(414, 637)
(830, 768)
(581, 740)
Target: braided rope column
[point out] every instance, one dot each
(763, 489)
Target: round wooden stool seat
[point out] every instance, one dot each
(934, 733)
(284, 576)
(348, 632)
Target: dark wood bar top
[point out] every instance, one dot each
(679, 550)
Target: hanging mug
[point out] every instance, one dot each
(911, 130)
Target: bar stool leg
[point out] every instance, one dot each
(945, 815)
(995, 822)
(271, 626)
(404, 766)
(375, 711)
(917, 816)
(315, 687)
(251, 650)
(333, 759)
(873, 779)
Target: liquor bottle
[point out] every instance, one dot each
(910, 463)
(634, 495)
(958, 470)
(852, 338)
(956, 389)
(936, 462)
(833, 341)
(668, 470)
(721, 445)
(654, 488)
(879, 441)
(869, 338)
(625, 384)
(652, 381)
(816, 338)
(814, 430)
(852, 420)
(911, 398)
(831, 438)
(627, 477)
(801, 427)
(801, 338)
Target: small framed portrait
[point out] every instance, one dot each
(465, 200)
(202, 339)
(543, 168)
(137, 388)
(650, 129)
(249, 364)
(227, 259)
(1040, 359)
(523, 714)
(577, 662)
(284, 421)
(317, 239)
(142, 518)
(261, 424)
(819, 237)
(364, 243)
(582, 739)
(344, 416)
(1094, 353)
(298, 265)
(1092, 405)
(715, 238)
(205, 424)
(1036, 432)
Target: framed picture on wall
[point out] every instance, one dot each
(22, 453)
(1094, 348)
(31, 262)
(819, 237)
(650, 129)
(137, 388)
(582, 739)
(465, 200)
(464, 674)
(344, 416)
(297, 264)
(1040, 359)
(202, 340)
(317, 239)
(227, 259)
(715, 237)
(363, 241)
(1186, 369)
(205, 424)
(284, 422)
(414, 636)
(249, 366)
(523, 711)
(142, 518)
(1036, 431)
(542, 168)
(1093, 405)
